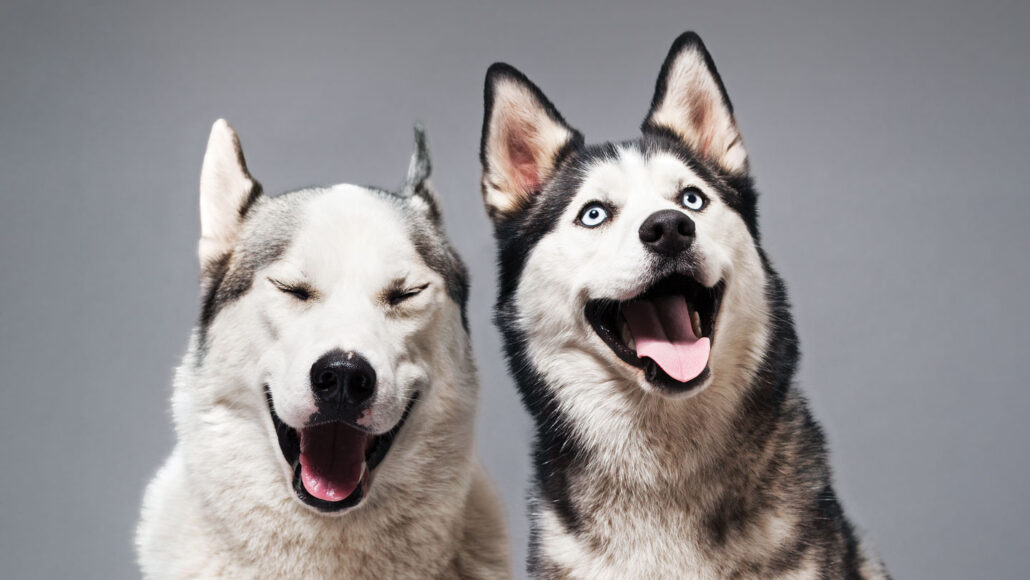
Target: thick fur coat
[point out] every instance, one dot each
(288, 281)
(700, 461)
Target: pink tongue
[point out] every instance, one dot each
(331, 460)
(661, 328)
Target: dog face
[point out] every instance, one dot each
(328, 306)
(632, 263)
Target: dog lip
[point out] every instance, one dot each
(602, 315)
(289, 445)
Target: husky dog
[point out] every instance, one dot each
(652, 343)
(324, 409)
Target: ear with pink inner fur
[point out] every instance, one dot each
(523, 139)
(691, 103)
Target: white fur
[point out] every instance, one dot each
(602, 396)
(370, 250)
(520, 127)
(224, 185)
(693, 108)
(579, 264)
(222, 505)
(646, 483)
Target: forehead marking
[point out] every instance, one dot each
(631, 171)
(270, 229)
(419, 224)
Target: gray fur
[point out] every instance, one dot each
(724, 476)
(425, 223)
(268, 229)
(226, 502)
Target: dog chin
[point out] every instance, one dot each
(673, 389)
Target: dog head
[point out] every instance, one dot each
(325, 314)
(631, 263)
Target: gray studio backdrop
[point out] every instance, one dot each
(889, 143)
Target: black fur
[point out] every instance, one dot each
(556, 451)
(687, 41)
(500, 71)
(780, 453)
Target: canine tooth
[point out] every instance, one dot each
(627, 336)
(695, 323)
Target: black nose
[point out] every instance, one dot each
(342, 379)
(667, 232)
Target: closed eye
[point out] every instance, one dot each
(397, 295)
(298, 290)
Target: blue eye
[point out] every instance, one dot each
(593, 215)
(692, 198)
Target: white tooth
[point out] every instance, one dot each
(695, 322)
(364, 468)
(624, 332)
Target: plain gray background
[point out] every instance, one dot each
(889, 143)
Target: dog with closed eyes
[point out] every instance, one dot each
(652, 343)
(324, 409)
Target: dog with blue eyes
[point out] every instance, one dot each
(652, 343)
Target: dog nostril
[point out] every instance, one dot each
(342, 380)
(326, 381)
(650, 234)
(667, 232)
(360, 388)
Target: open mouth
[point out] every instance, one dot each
(666, 330)
(333, 462)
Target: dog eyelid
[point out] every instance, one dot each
(299, 290)
(692, 198)
(594, 213)
(399, 293)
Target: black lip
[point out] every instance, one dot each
(289, 444)
(603, 316)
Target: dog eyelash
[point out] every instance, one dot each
(606, 215)
(398, 295)
(700, 200)
(300, 291)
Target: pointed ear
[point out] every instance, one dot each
(524, 138)
(226, 192)
(416, 184)
(691, 102)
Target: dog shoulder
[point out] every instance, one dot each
(167, 523)
(484, 550)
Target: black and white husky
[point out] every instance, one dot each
(324, 410)
(652, 343)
